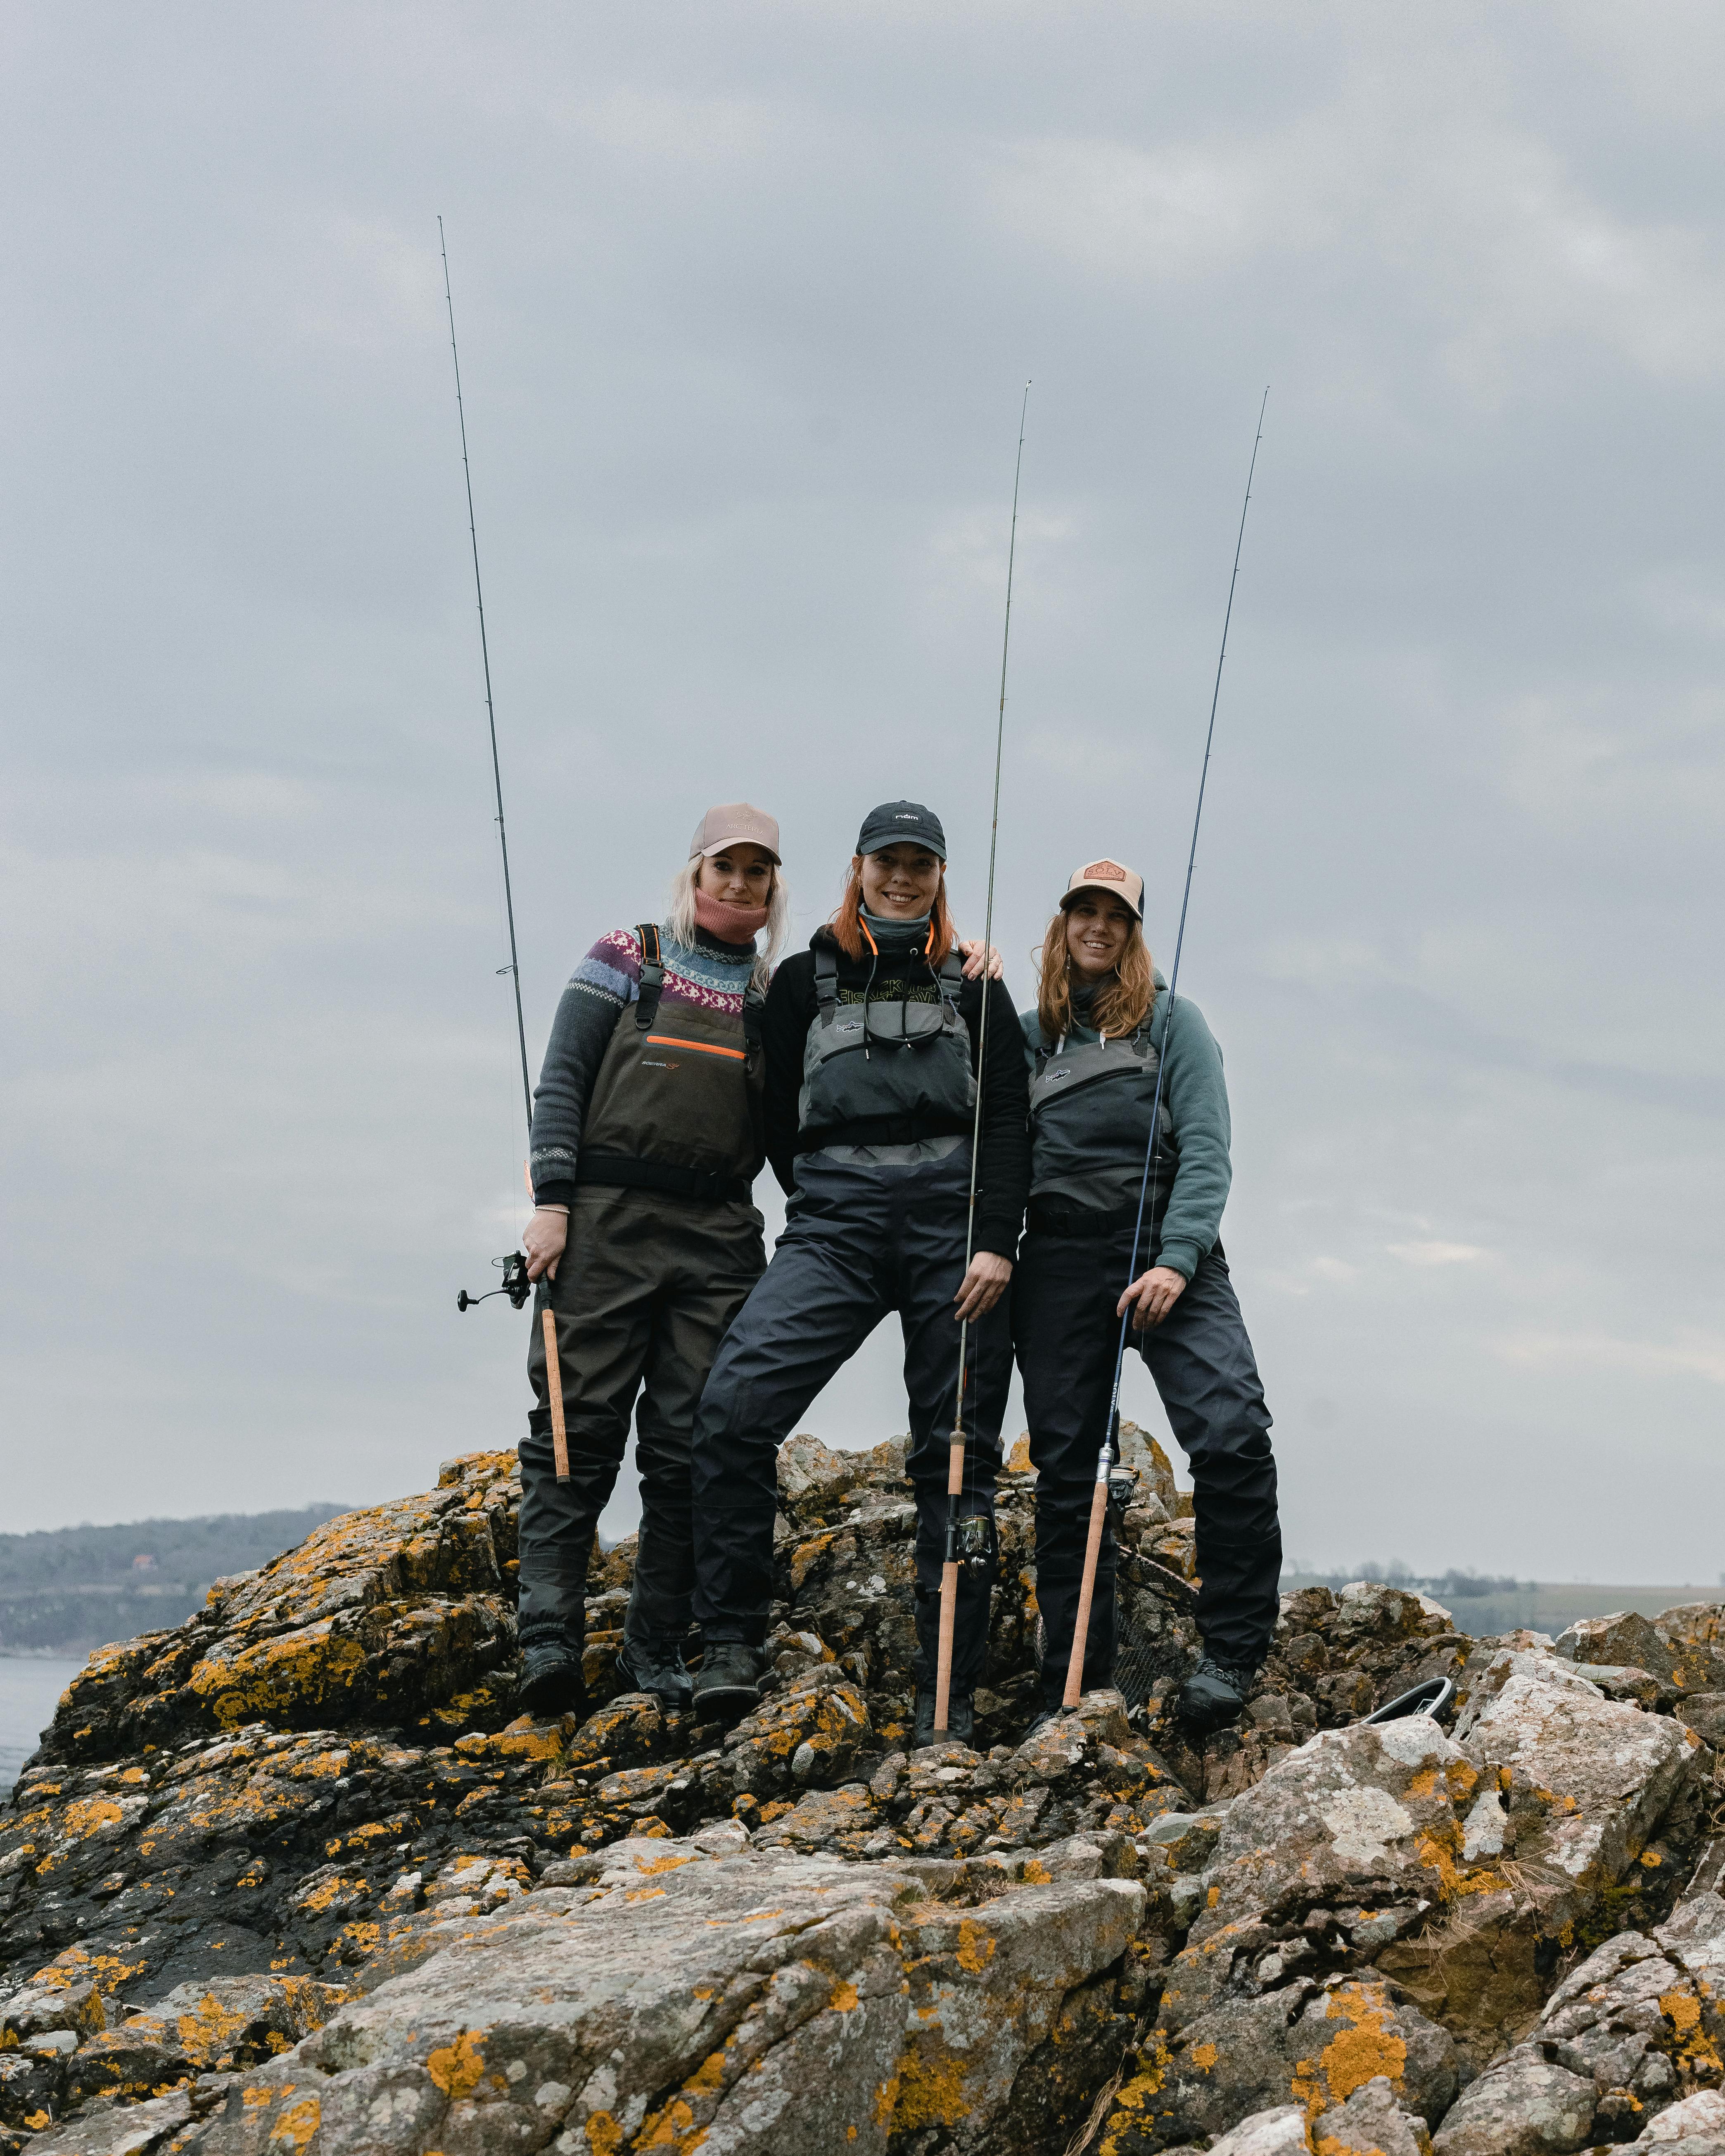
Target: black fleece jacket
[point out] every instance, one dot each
(1004, 1156)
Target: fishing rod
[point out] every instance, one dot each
(982, 1555)
(513, 968)
(1105, 1457)
(516, 1284)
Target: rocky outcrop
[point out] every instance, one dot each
(295, 1875)
(683, 1992)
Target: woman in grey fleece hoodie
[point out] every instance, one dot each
(1102, 1022)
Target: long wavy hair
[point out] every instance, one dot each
(847, 923)
(1121, 1004)
(679, 917)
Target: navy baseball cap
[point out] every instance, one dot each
(902, 821)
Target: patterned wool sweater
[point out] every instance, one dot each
(711, 977)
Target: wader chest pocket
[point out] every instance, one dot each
(681, 1091)
(888, 1057)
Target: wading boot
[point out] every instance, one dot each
(1214, 1695)
(727, 1684)
(655, 1664)
(551, 1679)
(961, 1719)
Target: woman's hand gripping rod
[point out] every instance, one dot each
(955, 1456)
(1109, 1452)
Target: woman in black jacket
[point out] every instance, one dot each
(872, 1040)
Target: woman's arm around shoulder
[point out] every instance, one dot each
(1003, 1155)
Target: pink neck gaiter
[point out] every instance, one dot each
(730, 924)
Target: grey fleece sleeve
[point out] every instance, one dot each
(608, 978)
(1197, 1096)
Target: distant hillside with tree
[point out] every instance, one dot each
(65, 1590)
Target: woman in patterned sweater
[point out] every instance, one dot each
(646, 1139)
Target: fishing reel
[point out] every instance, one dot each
(1122, 1488)
(516, 1284)
(974, 1544)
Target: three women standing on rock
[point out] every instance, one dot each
(673, 1073)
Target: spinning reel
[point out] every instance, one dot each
(977, 1546)
(516, 1284)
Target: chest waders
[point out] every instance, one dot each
(666, 1115)
(1149, 1181)
(676, 1103)
(1087, 1099)
(980, 1552)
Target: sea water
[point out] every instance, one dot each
(29, 1691)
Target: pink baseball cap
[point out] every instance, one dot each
(734, 823)
(1125, 884)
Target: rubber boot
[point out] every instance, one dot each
(653, 1663)
(551, 1683)
(728, 1685)
(1213, 1696)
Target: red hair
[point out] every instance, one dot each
(850, 933)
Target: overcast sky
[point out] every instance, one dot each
(748, 294)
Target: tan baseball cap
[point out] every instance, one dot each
(1114, 877)
(734, 823)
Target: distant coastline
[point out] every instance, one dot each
(65, 1591)
(1484, 1607)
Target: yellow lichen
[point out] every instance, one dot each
(976, 1946)
(1371, 2044)
(458, 2068)
(930, 2090)
(673, 2129)
(296, 2127)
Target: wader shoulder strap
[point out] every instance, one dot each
(652, 977)
(754, 1005)
(826, 983)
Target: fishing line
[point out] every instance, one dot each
(1105, 1458)
(955, 1458)
(514, 1267)
(513, 969)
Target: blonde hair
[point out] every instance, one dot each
(1121, 1004)
(679, 917)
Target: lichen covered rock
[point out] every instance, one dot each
(295, 1874)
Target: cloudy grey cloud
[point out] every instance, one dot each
(748, 294)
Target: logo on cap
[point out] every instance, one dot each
(904, 816)
(1111, 870)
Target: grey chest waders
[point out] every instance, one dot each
(954, 1553)
(1108, 1454)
